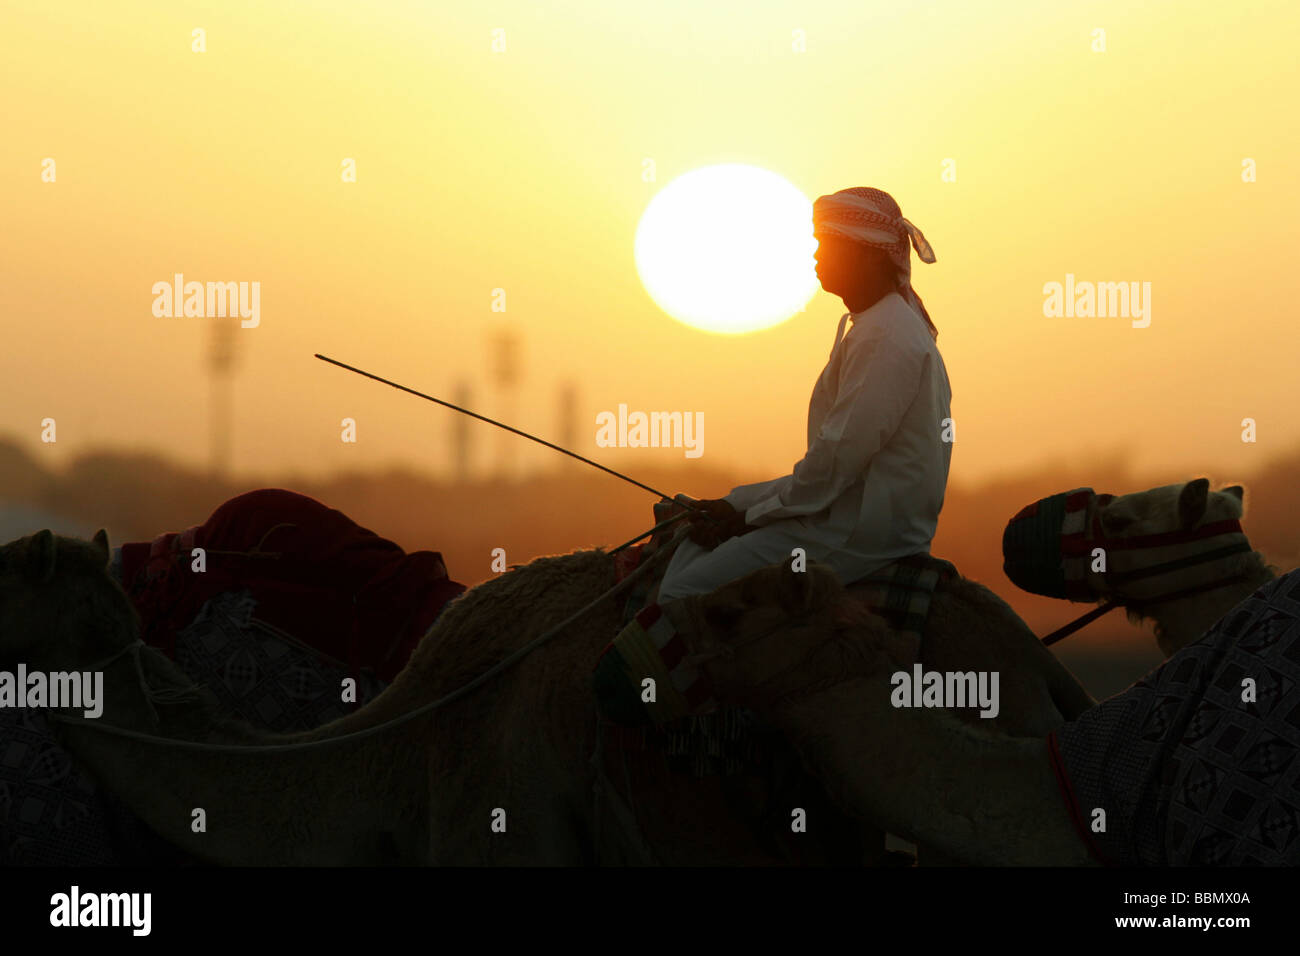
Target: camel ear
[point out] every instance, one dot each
(1192, 502)
(41, 554)
(795, 589)
(100, 541)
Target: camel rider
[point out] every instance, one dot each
(870, 487)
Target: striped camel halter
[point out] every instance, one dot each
(1048, 548)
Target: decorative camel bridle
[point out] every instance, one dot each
(1082, 532)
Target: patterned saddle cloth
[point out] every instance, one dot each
(900, 591)
(690, 723)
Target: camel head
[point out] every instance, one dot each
(777, 634)
(59, 607)
(1168, 540)
(1180, 542)
(1170, 508)
(1175, 554)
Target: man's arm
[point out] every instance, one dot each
(744, 497)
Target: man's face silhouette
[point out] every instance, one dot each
(845, 267)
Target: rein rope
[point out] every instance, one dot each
(166, 695)
(1177, 564)
(173, 695)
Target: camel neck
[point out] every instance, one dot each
(1183, 622)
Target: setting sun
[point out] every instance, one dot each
(728, 249)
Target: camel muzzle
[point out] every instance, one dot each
(1046, 545)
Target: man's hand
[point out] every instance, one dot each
(714, 521)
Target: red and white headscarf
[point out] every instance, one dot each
(872, 217)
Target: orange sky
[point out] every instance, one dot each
(522, 170)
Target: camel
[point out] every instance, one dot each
(516, 751)
(976, 794)
(426, 793)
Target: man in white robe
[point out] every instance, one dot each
(871, 485)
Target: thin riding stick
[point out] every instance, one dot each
(492, 421)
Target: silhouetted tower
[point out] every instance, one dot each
(221, 367)
(568, 430)
(461, 436)
(506, 374)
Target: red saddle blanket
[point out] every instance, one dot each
(314, 572)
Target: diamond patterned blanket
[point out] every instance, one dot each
(1199, 762)
(53, 814)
